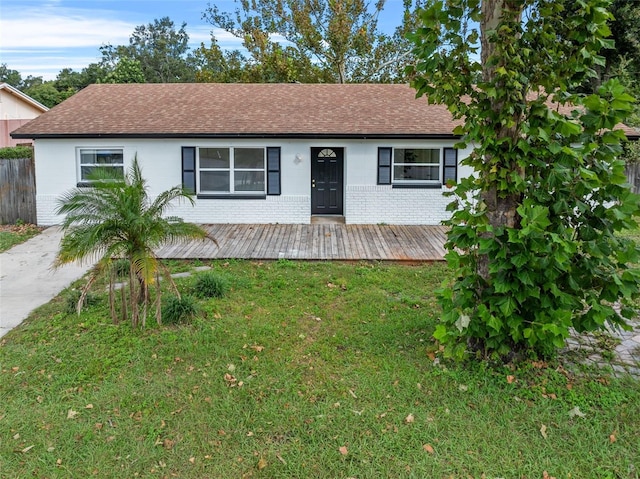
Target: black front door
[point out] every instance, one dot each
(326, 181)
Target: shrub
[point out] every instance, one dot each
(15, 152)
(121, 267)
(210, 285)
(178, 310)
(73, 298)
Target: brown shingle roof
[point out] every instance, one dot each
(244, 110)
(216, 109)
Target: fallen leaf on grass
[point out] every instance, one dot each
(231, 381)
(71, 414)
(543, 431)
(257, 348)
(168, 443)
(192, 460)
(343, 450)
(545, 475)
(26, 449)
(463, 387)
(262, 463)
(428, 448)
(89, 406)
(511, 379)
(576, 412)
(409, 419)
(612, 438)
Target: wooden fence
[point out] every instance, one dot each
(633, 176)
(17, 191)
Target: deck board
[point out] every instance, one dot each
(314, 242)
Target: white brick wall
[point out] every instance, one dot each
(46, 206)
(273, 209)
(365, 202)
(377, 204)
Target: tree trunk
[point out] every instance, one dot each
(501, 207)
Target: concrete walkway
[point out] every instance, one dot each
(27, 280)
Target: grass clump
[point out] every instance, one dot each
(11, 235)
(210, 285)
(121, 267)
(73, 298)
(178, 310)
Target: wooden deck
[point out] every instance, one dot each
(315, 242)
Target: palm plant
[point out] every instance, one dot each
(115, 218)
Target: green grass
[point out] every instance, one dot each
(11, 235)
(297, 361)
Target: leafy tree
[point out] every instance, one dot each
(213, 65)
(532, 235)
(334, 35)
(388, 61)
(276, 64)
(162, 52)
(125, 71)
(9, 76)
(46, 93)
(68, 79)
(115, 218)
(625, 31)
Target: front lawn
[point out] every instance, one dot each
(321, 369)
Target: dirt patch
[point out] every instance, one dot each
(20, 229)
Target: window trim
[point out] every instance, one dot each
(82, 182)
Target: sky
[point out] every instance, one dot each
(41, 37)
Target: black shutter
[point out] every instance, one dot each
(189, 168)
(273, 171)
(384, 166)
(450, 165)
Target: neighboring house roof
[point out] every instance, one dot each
(227, 110)
(23, 97)
(209, 110)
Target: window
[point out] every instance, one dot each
(93, 160)
(417, 167)
(231, 172)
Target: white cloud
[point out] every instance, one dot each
(61, 28)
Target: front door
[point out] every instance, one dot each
(326, 181)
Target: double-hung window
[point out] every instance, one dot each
(417, 167)
(231, 170)
(94, 162)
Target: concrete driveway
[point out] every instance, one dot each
(27, 280)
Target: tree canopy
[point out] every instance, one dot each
(533, 232)
(307, 40)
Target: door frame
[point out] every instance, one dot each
(314, 152)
